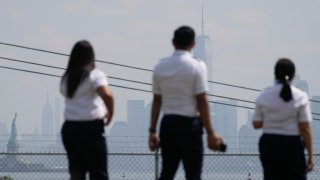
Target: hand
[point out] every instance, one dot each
(214, 141)
(107, 119)
(153, 141)
(310, 164)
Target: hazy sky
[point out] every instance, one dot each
(248, 36)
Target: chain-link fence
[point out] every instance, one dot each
(133, 166)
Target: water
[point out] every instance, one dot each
(143, 176)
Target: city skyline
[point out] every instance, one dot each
(130, 135)
(248, 37)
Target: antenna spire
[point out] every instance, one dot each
(202, 21)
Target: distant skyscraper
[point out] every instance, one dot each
(203, 51)
(248, 137)
(57, 116)
(315, 108)
(203, 48)
(225, 122)
(136, 116)
(131, 135)
(301, 84)
(47, 123)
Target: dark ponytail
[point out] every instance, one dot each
(284, 72)
(286, 93)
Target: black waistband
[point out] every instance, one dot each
(282, 136)
(180, 116)
(83, 121)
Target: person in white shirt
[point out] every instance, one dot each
(283, 112)
(180, 89)
(89, 107)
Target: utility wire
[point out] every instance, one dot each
(62, 54)
(122, 65)
(124, 87)
(133, 81)
(116, 64)
(55, 67)
(111, 77)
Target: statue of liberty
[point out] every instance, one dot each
(12, 145)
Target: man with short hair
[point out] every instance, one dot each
(180, 90)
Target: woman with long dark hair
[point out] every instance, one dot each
(283, 112)
(88, 108)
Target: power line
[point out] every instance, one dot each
(127, 66)
(34, 72)
(133, 81)
(55, 67)
(111, 77)
(124, 87)
(62, 54)
(116, 64)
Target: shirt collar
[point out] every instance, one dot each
(180, 52)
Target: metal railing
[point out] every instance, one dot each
(133, 166)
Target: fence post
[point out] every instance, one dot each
(156, 165)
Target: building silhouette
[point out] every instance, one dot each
(248, 137)
(224, 117)
(13, 145)
(47, 122)
(315, 108)
(203, 48)
(225, 122)
(203, 51)
(301, 84)
(12, 162)
(131, 135)
(57, 116)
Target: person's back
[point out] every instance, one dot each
(86, 102)
(88, 108)
(283, 112)
(179, 90)
(177, 76)
(281, 117)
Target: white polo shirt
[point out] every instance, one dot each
(85, 104)
(278, 116)
(178, 79)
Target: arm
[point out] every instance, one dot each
(203, 107)
(106, 94)
(306, 133)
(155, 111)
(257, 120)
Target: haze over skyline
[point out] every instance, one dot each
(247, 38)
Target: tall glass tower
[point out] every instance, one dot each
(47, 123)
(203, 48)
(203, 51)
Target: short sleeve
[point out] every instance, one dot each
(201, 84)
(257, 115)
(99, 79)
(155, 85)
(305, 113)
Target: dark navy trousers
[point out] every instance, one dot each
(181, 140)
(282, 157)
(85, 144)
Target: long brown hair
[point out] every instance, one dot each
(81, 62)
